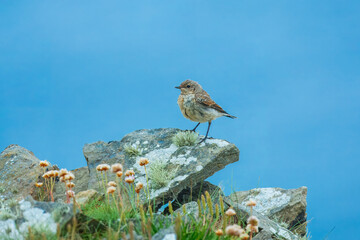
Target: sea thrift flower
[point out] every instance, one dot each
(230, 212)
(252, 229)
(105, 167)
(119, 174)
(244, 236)
(70, 184)
(44, 163)
(111, 190)
(62, 179)
(129, 173)
(234, 230)
(51, 173)
(71, 176)
(219, 232)
(99, 167)
(251, 203)
(129, 179)
(143, 161)
(63, 172)
(46, 175)
(56, 173)
(39, 184)
(138, 187)
(111, 184)
(252, 220)
(70, 193)
(117, 167)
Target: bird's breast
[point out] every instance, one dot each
(189, 100)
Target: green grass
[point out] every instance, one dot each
(161, 173)
(185, 138)
(132, 151)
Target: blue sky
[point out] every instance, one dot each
(77, 72)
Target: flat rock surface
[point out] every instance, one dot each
(19, 170)
(189, 165)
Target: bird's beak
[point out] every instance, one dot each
(178, 87)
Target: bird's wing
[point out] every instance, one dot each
(205, 99)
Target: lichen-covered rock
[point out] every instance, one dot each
(286, 206)
(19, 170)
(186, 165)
(81, 181)
(265, 224)
(41, 217)
(165, 234)
(191, 208)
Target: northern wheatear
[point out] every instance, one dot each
(196, 104)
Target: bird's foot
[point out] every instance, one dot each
(202, 140)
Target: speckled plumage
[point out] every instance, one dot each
(196, 104)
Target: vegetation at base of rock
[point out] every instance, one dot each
(132, 151)
(185, 138)
(101, 211)
(161, 173)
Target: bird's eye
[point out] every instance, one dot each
(188, 86)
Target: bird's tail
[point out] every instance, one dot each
(230, 116)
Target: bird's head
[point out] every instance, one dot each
(189, 86)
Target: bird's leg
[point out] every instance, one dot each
(207, 132)
(195, 127)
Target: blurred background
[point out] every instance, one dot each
(75, 72)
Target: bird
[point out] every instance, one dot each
(196, 105)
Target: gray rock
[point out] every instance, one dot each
(265, 224)
(41, 217)
(189, 165)
(191, 209)
(19, 170)
(85, 197)
(264, 235)
(193, 193)
(165, 234)
(287, 207)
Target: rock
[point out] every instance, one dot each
(193, 193)
(41, 217)
(165, 234)
(264, 235)
(85, 197)
(19, 170)
(191, 209)
(265, 224)
(281, 205)
(187, 165)
(81, 184)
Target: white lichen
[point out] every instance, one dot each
(9, 231)
(218, 142)
(171, 236)
(198, 168)
(267, 199)
(155, 193)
